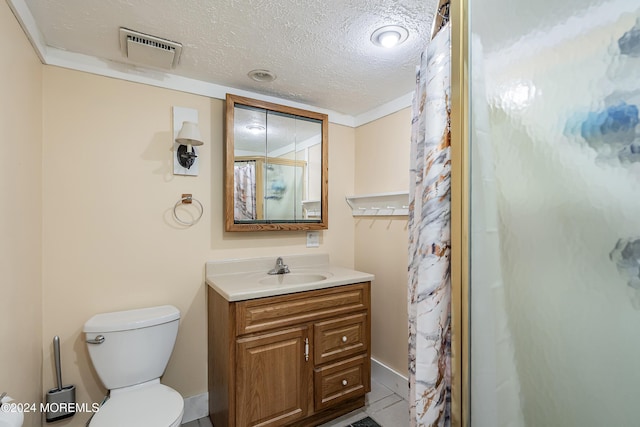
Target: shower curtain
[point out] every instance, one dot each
(429, 239)
(244, 193)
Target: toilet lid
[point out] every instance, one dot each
(155, 405)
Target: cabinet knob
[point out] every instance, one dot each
(344, 338)
(344, 382)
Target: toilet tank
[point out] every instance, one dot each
(136, 347)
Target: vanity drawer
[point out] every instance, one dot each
(338, 338)
(340, 381)
(275, 312)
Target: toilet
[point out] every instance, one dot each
(130, 351)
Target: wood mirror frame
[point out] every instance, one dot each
(266, 224)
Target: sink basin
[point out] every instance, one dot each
(293, 279)
(247, 279)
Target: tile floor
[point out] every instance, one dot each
(202, 422)
(382, 405)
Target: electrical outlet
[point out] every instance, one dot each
(313, 239)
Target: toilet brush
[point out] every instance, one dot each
(61, 400)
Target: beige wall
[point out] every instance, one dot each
(92, 229)
(109, 241)
(20, 216)
(382, 165)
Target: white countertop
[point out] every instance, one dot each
(243, 279)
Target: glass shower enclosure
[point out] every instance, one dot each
(554, 275)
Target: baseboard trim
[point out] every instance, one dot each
(390, 378)
(195, 407)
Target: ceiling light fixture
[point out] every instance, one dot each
(262, 76)
(389, 36)
(255, 128)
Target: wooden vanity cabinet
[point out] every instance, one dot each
(291, 360)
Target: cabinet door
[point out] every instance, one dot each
(272, 378)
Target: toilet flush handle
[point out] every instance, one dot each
(97, 340)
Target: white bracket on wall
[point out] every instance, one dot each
(380, 204)
(180, 115)
(312, 208)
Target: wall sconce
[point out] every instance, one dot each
(187, 136)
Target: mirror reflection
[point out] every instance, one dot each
(276, 167)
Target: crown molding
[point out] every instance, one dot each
(75, 61)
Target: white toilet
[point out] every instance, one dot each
(130, 351)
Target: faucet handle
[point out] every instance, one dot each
(280, 268)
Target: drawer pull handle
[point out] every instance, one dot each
(344, 382)
(306, 349)
(344, 338)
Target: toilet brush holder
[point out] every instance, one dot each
(61, 401)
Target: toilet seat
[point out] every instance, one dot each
(153, 405)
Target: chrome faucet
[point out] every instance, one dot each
(280, 268)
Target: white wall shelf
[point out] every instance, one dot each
(312, 208)
(380, 204)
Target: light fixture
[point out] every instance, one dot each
(254, 128)
(262, 76)
(389, 36)
(188, 137)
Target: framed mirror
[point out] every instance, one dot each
(276, 164)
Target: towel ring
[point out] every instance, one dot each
(186, 199)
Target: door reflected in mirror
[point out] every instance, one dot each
(276, 167)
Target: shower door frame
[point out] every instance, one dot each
(460, 199)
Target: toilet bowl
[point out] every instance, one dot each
(145, 405)
(130, 351)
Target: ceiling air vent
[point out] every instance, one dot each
(148, 50)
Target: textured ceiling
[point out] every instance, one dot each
(320, 50)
